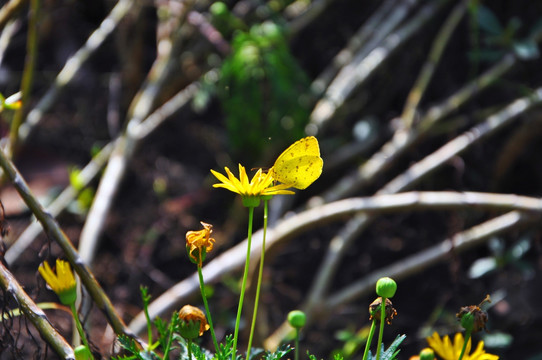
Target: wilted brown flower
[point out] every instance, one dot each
(191, 316)
(201, 241)
(375, 305)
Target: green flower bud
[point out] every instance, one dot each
(386, 287)
(219, 9)
(82, 353)
(297, 318)
(427, 354)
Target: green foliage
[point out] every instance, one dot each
(353, 341)
(262, 90)
(392, 352)
(498, 39)
(282, 351)
(224, 351)
(502, 257)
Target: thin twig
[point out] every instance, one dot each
(8, 11)
(495, 122)
(233, 259)
(428, 69)
(356, 73)
(54, 232)
(381, 23)
(140, 108)
(32, 312)
(73, 65)
(28, 74)
(403, 139)
(66, 197)
(354, 227)
(414, 264)
(411, 265)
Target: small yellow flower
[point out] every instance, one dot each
(200, 241)
(260, 185)
(62, 283)
(193, 322)
(451, 351)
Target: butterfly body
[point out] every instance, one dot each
(300, 164)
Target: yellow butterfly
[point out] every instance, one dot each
(299, 165)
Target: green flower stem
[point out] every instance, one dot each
(296, 344)
(244, 283)
(79, 327)
(381, 332)
(146, 311)
(467, 337)
(369, 339)
(189, 341)
(204, 296)
(260, 275)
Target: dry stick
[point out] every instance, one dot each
(54, 232)
(8, 11)
(93, 168)
(383, 21)
(316, 9)
(354, 227)
(141, 107)
(37, 317)
(356, 73)
(73, 65)
(428, 69)
(234, 258)
(28, 74)
(414, 264)
(403, 139)
(66, 197)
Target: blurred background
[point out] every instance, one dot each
(129, 104)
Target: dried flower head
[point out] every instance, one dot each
(198, 243)
(193, 322)
(374, 310)
(473, 317)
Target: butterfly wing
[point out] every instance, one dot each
(300, 164)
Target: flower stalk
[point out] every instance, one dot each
(243, 284)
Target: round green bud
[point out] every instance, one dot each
(386, 287)
(82, 353)
(297, 318)
(427, 354)
(219, 9)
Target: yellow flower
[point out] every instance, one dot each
(260, 185)
(451, 351)
(200, 241)
(193, 322)
(63, 282)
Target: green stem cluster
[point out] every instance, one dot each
(244, 283)
(258, 285)
(467, 338)
(204, 296)
(381, 332)
(80, 330)
(369, 339)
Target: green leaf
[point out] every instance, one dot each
(488, 21)
(391, 352)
